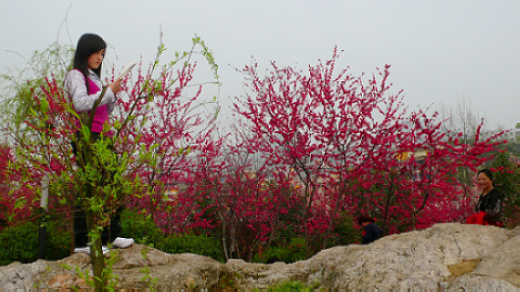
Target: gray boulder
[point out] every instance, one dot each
(446, 256)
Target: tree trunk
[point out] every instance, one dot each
(96, 253)
(224, 243)
(333, 215)
(72, 243)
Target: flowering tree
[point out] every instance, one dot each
(345, 139)
(42, 124)
(312, 145)
(177, 122)
(15, 201)
(250, 202)
(227, 194)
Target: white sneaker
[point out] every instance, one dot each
(122, 242)
(86, 249)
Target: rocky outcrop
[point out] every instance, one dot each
(446, 256)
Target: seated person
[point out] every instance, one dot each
(371, 232)
(489, 206)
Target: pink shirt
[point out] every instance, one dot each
(101, 117)
(83, 100)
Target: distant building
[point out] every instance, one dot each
(419, 155)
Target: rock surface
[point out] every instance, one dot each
(446, 256)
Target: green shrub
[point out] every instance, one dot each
(345, 232)
(20, 243)
(505, 180)
(288, 252)
(197, 244)
(58, 243)
(140, 227)
(293, 285)
(143, 230)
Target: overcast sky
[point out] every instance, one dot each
(440, 51)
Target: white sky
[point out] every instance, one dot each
(440, 51)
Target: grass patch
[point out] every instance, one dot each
(293, 286)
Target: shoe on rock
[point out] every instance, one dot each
(122, 242)
(86, 249)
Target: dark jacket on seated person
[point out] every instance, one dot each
(371, 233)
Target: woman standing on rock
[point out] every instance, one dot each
(489, 206)
(84, 87)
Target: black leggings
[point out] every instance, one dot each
(80, 222)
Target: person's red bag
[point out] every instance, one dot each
(477, 219)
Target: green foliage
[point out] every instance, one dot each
(293, 285)
(345, 232)
(22, 85)
(111, 279)
(197, 244)
(147, 278)
(289, 251)
(506, 180)
(101, 176)
(20, 243)
(141, 227)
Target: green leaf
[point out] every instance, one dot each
(32, 112)
(44, 106)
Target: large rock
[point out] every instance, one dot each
(446, 256)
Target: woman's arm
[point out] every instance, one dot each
(77, 91)
(110, 107)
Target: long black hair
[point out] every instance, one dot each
(88, 44)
